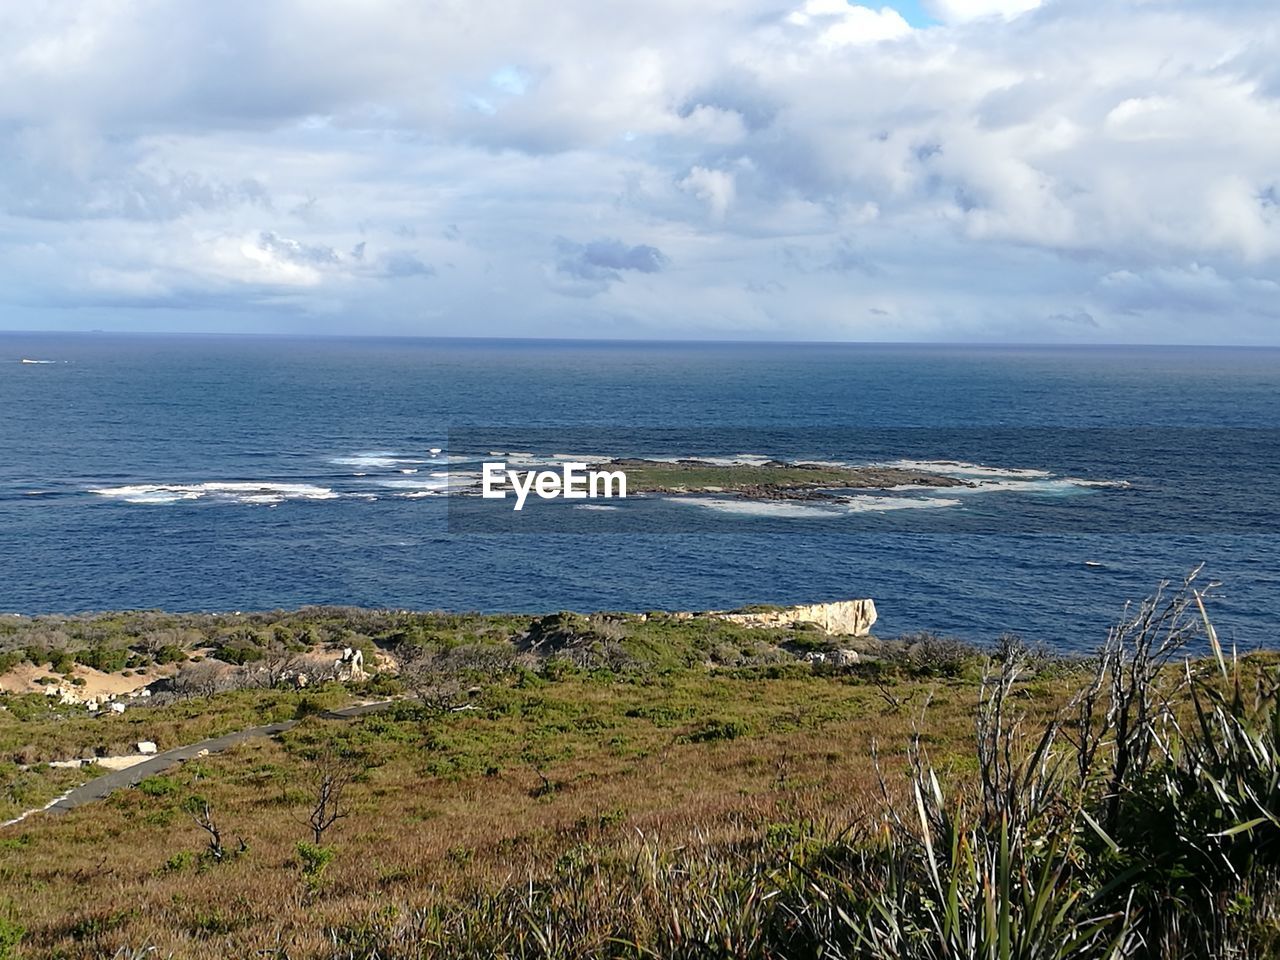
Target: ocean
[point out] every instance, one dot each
(236, 473)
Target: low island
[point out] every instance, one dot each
(771, 480)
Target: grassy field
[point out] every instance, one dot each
(541, 772)
(613, 786)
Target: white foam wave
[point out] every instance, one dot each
(737, 460)
(383, 460)
(376, 461)
(421, 483)
(581, 457)
(1046, 486)
(966, 471)
(238, 492)
(987, 479)
(1114, 484)
(813, 509)
(29, 360)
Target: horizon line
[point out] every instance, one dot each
(636, 340)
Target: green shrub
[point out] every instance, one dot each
(718, 730)
(11, 933)
(313, 860)
(308, 706)
(159, 786)
(104, 658)
(181, 860)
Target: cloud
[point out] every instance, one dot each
(401, 263)
(840, 23)
(1006, 171)
(959, 11)
(287, 249)
(591, 267)
(714, 187)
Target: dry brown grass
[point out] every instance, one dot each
(469, 802)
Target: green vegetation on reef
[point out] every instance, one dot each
(619, 786)
(773, 479)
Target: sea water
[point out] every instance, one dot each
(214, 473)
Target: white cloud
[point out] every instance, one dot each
(841, 23)
(806, 168)
(715, 187)
(958, 11)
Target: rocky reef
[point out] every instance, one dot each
(771, 480)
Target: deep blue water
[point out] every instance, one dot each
(199, 473)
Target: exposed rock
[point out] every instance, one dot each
(119, 763)
(66, 695)
(845, 658)
(349, 668)
(843, 618)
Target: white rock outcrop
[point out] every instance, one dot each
(349, 668)
(843, 618)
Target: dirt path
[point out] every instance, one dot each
(101, 786)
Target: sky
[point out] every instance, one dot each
(1091, 171)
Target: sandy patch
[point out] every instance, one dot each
(97, 685)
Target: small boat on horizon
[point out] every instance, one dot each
(29, 360)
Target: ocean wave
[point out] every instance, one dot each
(960, 469)
(384, 460)
(558, 458)
(1040, 486)
(29, 360)
(813, 509)
(418, 483)
(988, 479)
(237, 492)
(736, 460)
